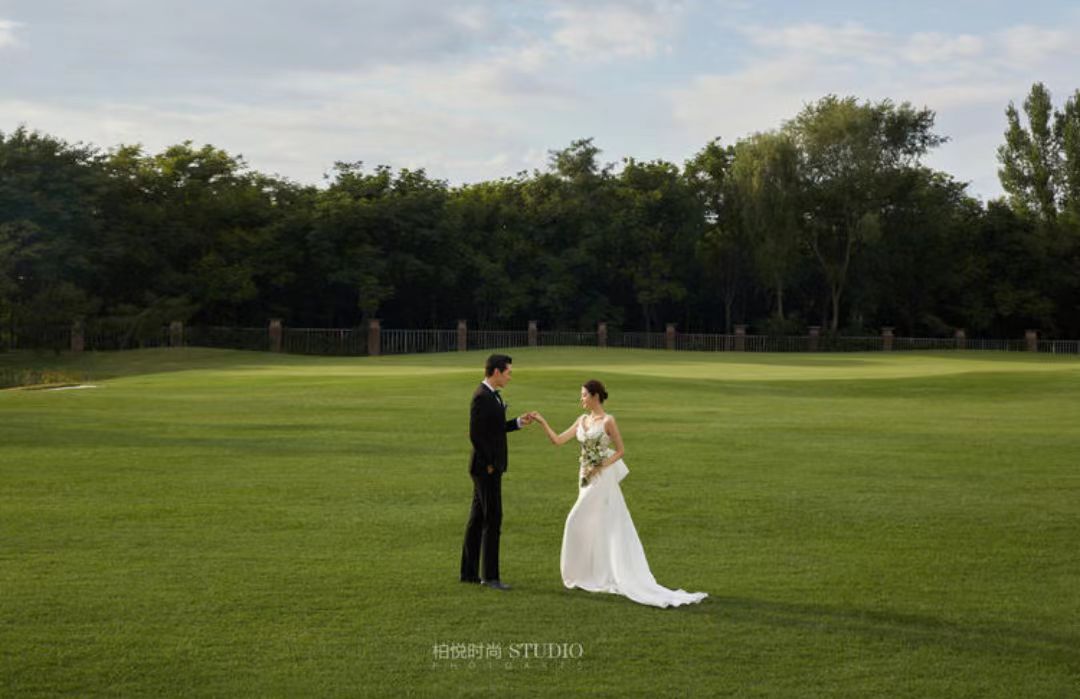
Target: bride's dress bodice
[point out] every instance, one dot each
(595, 433)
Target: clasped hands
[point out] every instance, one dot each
(530, 417)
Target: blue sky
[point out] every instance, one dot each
(475, 90)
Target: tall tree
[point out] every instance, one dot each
(722, 248)
(570, 215)
(1040, 173)
(850, 154)
(912, 277)
(660, 220)
(1067, 133)
(345, 238)
(765, 173)
(1030, 158)
(49, 225)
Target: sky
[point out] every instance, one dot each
(476, 90)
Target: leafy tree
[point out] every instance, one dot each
(850, 157)
(660, 220)
(722, 248)
(345, 239)
(1040, 173)
(1031, 159)
(765, 173)
(1015, 260)
(912, 276)
(49, 224)
(1067, 134)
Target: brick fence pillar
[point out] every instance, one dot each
(815, 337)
(961, 338)
(374, 337)
(601, 334)
(1032, 339)
(886, 338)
(176, 334)
(740, 338)
(532, 333)
(669, 336)
(78, 336)
(275, 335)
(462, 335)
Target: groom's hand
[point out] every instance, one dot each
(527, 419)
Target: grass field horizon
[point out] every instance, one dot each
(214, 522)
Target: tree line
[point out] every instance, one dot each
(832, 219)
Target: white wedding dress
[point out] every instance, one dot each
(601, 551)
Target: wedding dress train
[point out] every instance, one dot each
(601, 551)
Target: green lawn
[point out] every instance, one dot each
(224, 523)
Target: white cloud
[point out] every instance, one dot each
(968, 80)
(844, 41)
(754, 99)
(477, 114)
(7, 33)
(476, 20)
(465, 120)
(302, 143)
(470, 90)
(934, 47)
(604, 32)
(1028, 47)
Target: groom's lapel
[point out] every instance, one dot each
(493, 394)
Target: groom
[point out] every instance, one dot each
(487, 432)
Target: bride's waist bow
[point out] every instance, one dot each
(619, 468)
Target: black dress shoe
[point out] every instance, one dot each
(474, 581)
(495, 585)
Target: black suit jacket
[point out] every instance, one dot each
(487, 432)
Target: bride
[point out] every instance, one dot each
(601, 551)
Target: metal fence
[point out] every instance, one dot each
(99, 337)
(1060, 347)
(416, 341)
(355, 341)
(636, 340)
(227, 338)
(333, 341)
(557, 338)
(56, 338)
(497, 339)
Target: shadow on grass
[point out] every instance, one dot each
(898, 628)
(903, 628)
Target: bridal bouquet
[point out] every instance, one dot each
(592, 455)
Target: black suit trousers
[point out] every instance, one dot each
(483, 528)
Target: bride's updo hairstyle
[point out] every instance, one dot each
(595, 388)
